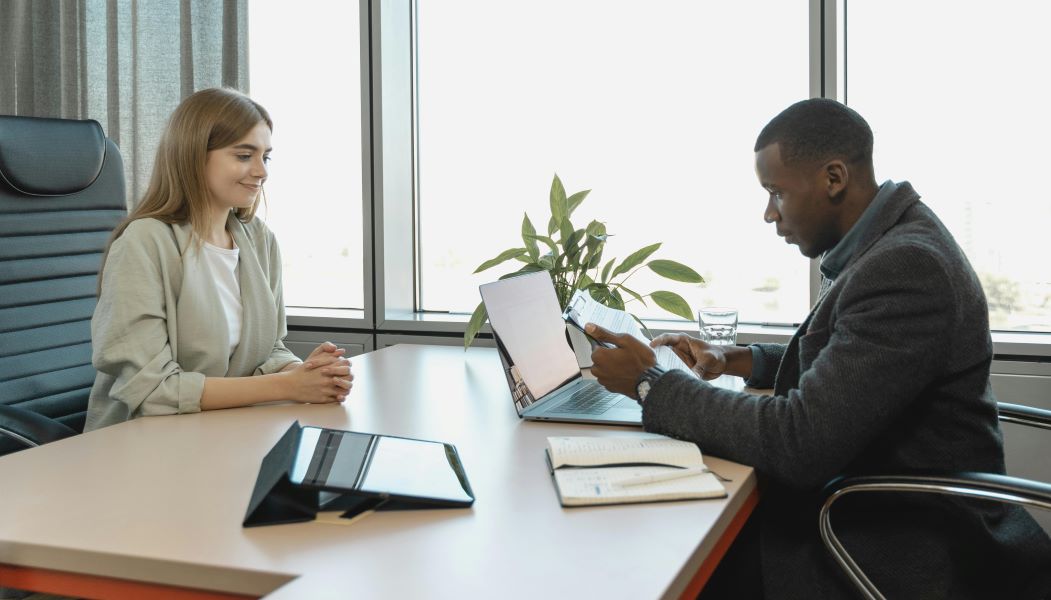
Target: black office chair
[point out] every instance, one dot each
(61, 194)
(984, 486)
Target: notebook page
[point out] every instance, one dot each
(592, 451)
(578, 487)
(618, 321)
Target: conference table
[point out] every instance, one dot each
(153, 507)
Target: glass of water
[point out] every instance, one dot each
(718, 325)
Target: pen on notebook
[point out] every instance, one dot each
(666, 476)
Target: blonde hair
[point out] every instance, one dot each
(208, 120)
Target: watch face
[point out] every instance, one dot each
(643, 389)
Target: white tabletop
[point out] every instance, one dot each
(161, 500)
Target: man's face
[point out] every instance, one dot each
(799, 204)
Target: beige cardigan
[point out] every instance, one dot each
(158, 329)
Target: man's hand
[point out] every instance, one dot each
(617, 369)
(706, 360)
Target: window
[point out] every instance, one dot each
(654, 109)
(305, 69)
(958, 107)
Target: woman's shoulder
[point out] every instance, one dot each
(150, 236)
(259, 234)
(255, 227)
(147, 230)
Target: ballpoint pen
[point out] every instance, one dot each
(665, 476)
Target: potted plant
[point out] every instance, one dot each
(574, 261)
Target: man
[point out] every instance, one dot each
(889, 373)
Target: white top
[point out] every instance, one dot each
(223, 265)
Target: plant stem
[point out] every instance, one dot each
(628, 276)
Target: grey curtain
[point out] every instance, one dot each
(124, 63)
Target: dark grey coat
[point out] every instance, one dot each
(888, 374)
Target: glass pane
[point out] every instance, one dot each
(305, 70)
(653, 107)
(960, 110)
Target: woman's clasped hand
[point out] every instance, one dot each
(324, 377)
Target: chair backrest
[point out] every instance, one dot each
(61, 194)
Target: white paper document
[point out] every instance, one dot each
(618, 321)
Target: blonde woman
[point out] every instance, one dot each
(190, 315)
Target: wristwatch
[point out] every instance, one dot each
(646, 381)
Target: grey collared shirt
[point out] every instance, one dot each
(833, 261)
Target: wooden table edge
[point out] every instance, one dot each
(78, 585)
(722, 545)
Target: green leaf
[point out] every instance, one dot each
(605, 270)
(559, 205)
(547, 261)
(673, 303)
(669, 269)
(575, 200)
(530, 242)
(632, 293)
(584, 282)
(596, 231)
(600, 292)
(530, 268)
(552, 226)
(635, 259)
(478, 318)
(548, 241)
(504, 256)
(572, 245)
(616, 300)
(593, 262)
(565, 231)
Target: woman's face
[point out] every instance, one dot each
(235, 174)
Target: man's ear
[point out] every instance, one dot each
(837, 175)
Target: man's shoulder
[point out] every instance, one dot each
(918, 234)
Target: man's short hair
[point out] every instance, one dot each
(818, 130)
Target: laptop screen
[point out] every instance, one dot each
(525, 314)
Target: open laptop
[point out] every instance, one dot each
(538, 360)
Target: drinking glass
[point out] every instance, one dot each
(718, 325)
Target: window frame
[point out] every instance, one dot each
(390, 192)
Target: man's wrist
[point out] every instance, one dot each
(738, 361)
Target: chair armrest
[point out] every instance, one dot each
(29, 428)
(985, 486)
(1025, 415)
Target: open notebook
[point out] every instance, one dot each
(621, 470)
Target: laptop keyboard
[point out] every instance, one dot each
(594, 400)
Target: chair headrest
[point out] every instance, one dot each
(50, 157)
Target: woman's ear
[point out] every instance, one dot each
(836, 176)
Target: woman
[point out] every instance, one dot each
(190, 314)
